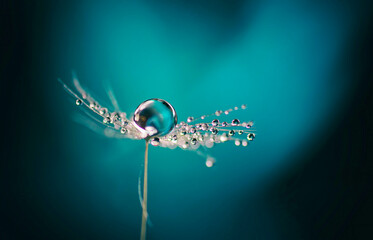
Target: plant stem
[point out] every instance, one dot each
(145, 194)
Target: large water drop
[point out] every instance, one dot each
(155, 117)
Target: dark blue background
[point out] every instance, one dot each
(303, 68)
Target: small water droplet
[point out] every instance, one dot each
(123, 130)
(231, 133)
(224, 124)
(249, 124)
(210, 161)
(78, 102)
(215, 122)
(250, 136)
(183, 132)
(235, 122)
(155, 141)
(190, 119)
(194, 141)
(214, 131)
(106, 120)
(192, 130)
(103, 111)
(224, 137)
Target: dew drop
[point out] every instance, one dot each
(194, 141)
(190, 119)
(204, 127)
(214, 131)
(249, 124)
(250, 136)
(237, 142)
(155, 141)
(243, 106)
(224, 124)
(192, 130)
(103, 111)
(106, 120)
(183, 132)
(210, 161)
(123, 130)
(244, 143)
(224, 137)
(155, 117)
(231, 133)
(240, 132)
(78, 102)
(235, 122)
(215, 122)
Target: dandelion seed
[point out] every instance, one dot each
(155, 121)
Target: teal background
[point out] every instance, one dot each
(299, 66)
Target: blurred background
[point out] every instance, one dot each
(304, 69)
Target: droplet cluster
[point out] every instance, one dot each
(194, 134)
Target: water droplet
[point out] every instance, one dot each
(125, 123)
(203, 117)
(240, 132)
(78, 102)
(210, 161)
(215, 122)
(106, 120)
(224, 124)
(237, 142)
(226, 112)
(235, 108)
(192, 130)
(231, 133)
(204, 127)
(243, 106)
(244, 143)
(235, 122)
(249, 124)
(183, 132)
(190, 119)
(194, 141)
(103, 111)
(250, 136)
(214, 131)
(123, 130)
(155, 141)
(224, 137)
(155, 117)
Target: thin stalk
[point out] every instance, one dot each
(145, 194)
